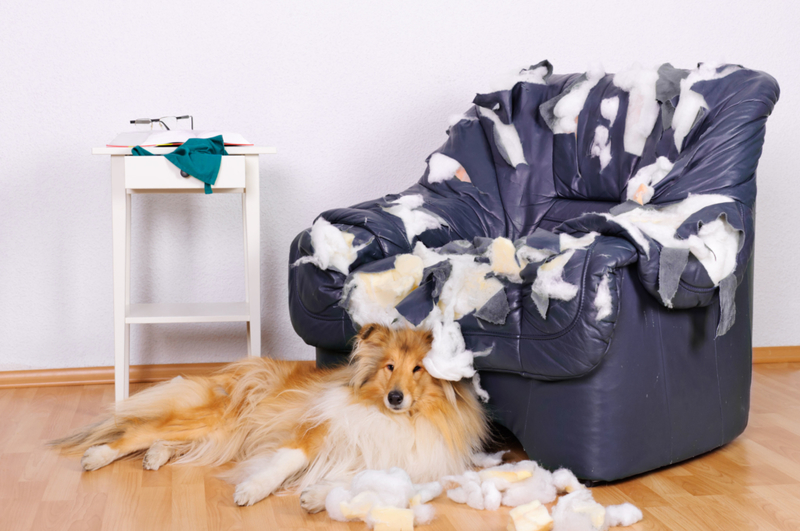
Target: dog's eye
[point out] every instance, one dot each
(390, 367)
(417, 368)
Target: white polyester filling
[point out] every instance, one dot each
(715, 245)
(549, 281)
(647, 177)
(609, 108)
(333, 248)
(567, 241)
(602, 301)
(507, 135)
(690, 101)
(415, 220)
(569, 107)
(507, 82)
(601, 146)
(382, 488)
(643, 109)
(441, 167)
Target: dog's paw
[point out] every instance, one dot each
(157, 456)
(312, 500)
(249, 492)
(98, 456)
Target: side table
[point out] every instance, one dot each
(238, 174)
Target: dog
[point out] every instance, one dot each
(292, 427)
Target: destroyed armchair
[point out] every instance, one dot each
(591, 237)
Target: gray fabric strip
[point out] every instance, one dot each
(495, 310)
(541, 303)
(670, 268)
(727, 304)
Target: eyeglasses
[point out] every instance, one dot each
(167, 122)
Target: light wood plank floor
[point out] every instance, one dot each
(753, 483)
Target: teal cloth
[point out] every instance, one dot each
(199, 157)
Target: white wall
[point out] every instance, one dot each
(355, 95)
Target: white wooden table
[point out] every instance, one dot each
(238, 174)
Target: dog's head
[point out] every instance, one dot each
(388, 370)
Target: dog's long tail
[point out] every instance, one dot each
(177, 410)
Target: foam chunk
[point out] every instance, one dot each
(511, 476)
(391, 519)
(373, 296)
(532, 516)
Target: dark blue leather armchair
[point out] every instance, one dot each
(648, 385)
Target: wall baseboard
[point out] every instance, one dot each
(158, 373)
(102, 375)
(776, 354)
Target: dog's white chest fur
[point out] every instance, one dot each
(362, 437)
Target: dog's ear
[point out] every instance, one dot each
(372, 332)
(367, 353)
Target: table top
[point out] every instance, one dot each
(232, 150)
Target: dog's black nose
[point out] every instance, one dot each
(395, 398)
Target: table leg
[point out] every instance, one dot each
(253, 255)
(120, 228)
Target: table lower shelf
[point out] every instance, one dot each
(203, 312)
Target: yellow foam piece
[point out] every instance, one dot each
(416, 500)
(512, 476)
(503, 257)
(388, 288)
(392, 519)
(532, 516)
(358, 507)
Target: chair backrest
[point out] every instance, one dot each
(570, 144)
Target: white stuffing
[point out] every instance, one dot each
(640, 186)
(333, 503)
(467, 289)
(643, 109)
(373, 296)
(448, 358)
(372, 489)
(578, 512)
(569, 107)
(602, 300)
(565, 481)
(691, 102)
(441, 167)
(526, 75)
(715, 244)
(484, 460)
(479, 391)
(415, 219)
(333, 248)
(567, 241)
(521, 483)
(491, 496)
(455, 118)
(609, 108)
(507, 136)
(622, 515)
(549, 281)
(423, 514)
(601, 146)
(529, 255)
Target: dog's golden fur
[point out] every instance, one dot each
(289, 425)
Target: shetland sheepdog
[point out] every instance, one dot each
(290, 426)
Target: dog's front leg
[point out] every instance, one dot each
(268, 474)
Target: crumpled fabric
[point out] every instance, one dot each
(198, 157)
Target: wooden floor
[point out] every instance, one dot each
(753, 483)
